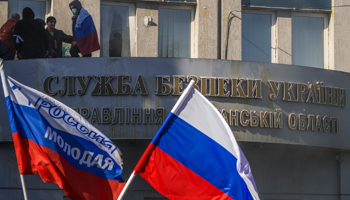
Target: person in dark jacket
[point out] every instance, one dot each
(6, 34)
(56, 37)
(42, 22)
(31, 40)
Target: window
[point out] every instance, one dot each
(40, 7)
(309, 36)
(186, 1)
(175, 32)
(117, 29)
(294, 4)
(258, 36)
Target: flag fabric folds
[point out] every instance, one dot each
(55, 142)
(195, 155)
(85, 32)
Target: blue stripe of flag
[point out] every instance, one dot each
(87, 28)
(10, 114)
(31, 125)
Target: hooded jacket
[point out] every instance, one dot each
(30, 37)
(78, 5)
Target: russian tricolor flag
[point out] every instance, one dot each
(85, 32)
(195, 155)
(55, 142)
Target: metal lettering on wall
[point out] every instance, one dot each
(209, 86)
(129, 98)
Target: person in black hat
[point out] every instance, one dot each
(30, 38)
(56, 37)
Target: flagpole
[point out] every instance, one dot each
(3, 79)
(127, 185)
(24, 187)
(6, 93)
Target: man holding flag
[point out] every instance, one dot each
(57, 143)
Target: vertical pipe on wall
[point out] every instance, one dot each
(219, 29)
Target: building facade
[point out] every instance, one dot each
(276, 70)
(219, 29)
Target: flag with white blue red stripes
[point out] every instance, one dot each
(57, 143)
(195, 155)
(86, 34)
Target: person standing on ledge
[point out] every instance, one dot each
(85, 39)
(31, 40)
(6, 35)
(56, 37)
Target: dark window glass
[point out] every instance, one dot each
(298, 4)
(183, 0)
(256, 37)
(307, 41)
(174, 33)
(115, 33)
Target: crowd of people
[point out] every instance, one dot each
(29, 38)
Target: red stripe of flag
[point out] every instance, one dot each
(160, 170)
(52, 167)
(88, 43)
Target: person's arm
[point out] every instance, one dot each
(17, 39)
(66, 38)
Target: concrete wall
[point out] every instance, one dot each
(344, 174)
(108, 93)
(233, 42)
(146, 36)
(206, 31)
(340, 20)
(60, 10)
(284, 37)
(3, 12)
(280, 172)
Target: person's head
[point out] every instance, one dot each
(75, 7)
(16, 17)
(51, 22)
(42, 22)
(28, 13)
